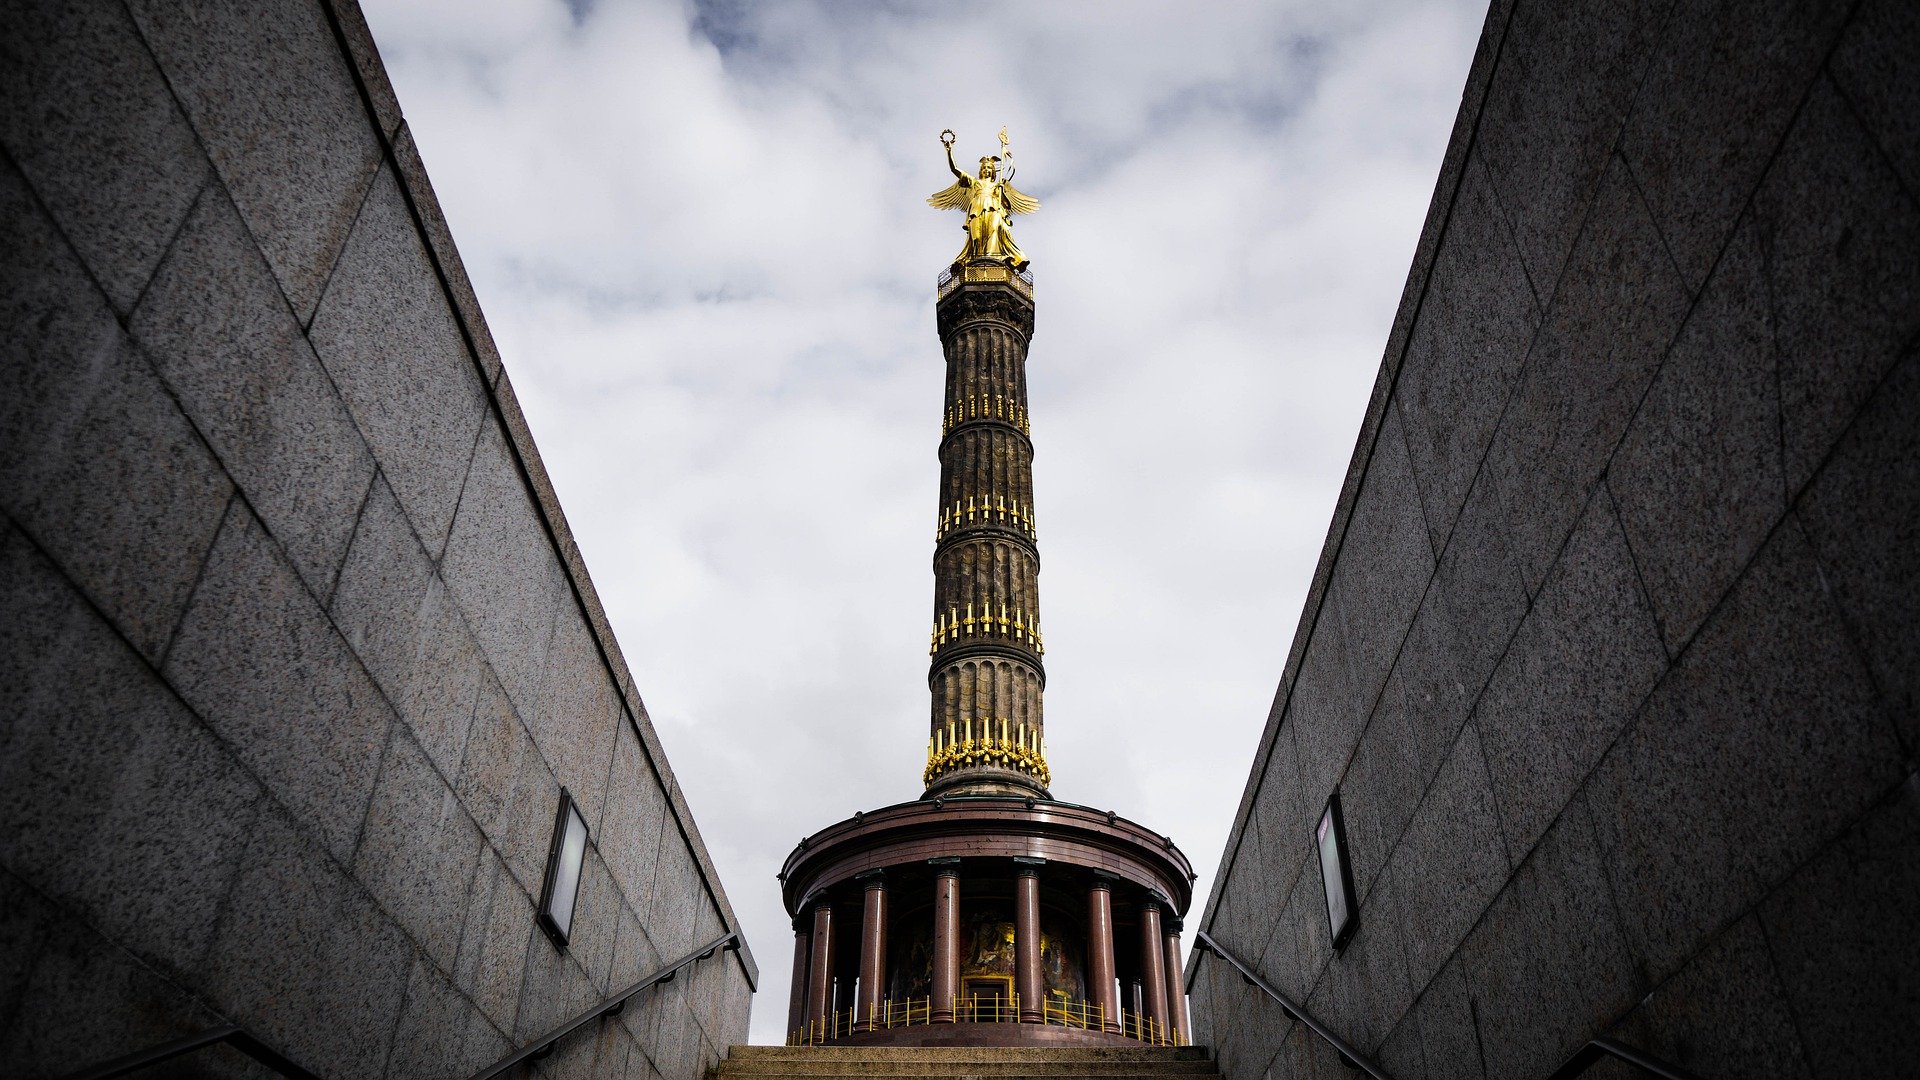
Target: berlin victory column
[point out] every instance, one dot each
(986, 912)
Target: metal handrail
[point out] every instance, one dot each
(1204, 942)
(239, 1038)
(1582, 1059)
(1585, 1058)
(543, 1045)
(259, 1050)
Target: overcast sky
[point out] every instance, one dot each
(700, 239)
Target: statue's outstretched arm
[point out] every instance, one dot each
(955, 169)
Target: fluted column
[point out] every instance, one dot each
(873, 948)
(1026, 943)
(1153, 961)
(820, 979)
(946, 943)
(797, 999)
(1100, 975)
(986, 734)
(1176, 985)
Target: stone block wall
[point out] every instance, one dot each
(1611, 652)
(298, 650)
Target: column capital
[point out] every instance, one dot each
(875, 878)
(1002, 303)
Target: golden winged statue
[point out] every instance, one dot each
(990, 201)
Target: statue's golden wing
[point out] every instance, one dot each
(1019, 201)
(953, 197)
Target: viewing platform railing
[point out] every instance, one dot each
(948, 281)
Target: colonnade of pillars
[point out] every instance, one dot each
(1158, 990)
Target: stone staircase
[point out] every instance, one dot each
(967, 1062)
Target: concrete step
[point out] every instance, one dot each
(955, 1073)
(764, 1067)
(893, 1071)
(962, 1062)
(975, 1053)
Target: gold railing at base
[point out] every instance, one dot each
(887, 1014)
(1060, 1012)
(1135, 1026)
(992, 1010)
(1066, 1012)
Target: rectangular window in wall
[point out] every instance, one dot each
(1330, 838)
(565, 859)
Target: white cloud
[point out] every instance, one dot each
(699, 238)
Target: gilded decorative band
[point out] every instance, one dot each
(987, 742)
(985, 407)
(986, 510)
(958, 624)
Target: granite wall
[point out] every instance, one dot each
(298, 650)
(1611, 652)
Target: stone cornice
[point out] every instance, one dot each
(988, 828)
(985, 424)
(968, 649)
(990, 302)
(982, 532)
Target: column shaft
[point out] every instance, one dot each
(873, 951)
(1026, 945)
(797, 999)
(1105, 993)
(1176, 989)
(820, 977)
(986, 648)
(1153, 964)
(946, 944)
